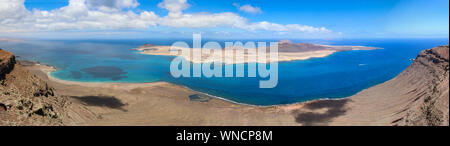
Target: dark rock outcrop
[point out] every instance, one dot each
(7, 61)
(25, 99)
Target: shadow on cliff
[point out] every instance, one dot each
(320, 112)
(101, 101)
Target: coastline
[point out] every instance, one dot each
(286, 114)
(284, 109)
(296, 56)
(142, 102)
(162, 103)
(48, 69)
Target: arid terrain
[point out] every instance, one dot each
(417, 96)
(26, 99)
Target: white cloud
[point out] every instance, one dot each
(266, 26)
(116, 14)
(306, 28)
(111, 5)
(78, 15)
(11, 10)
(248, 8)
(200, 20)
(175, 7)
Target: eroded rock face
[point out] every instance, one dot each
(431, 108)
(25, 99)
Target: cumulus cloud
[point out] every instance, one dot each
(248, 8)
(78, 15)
(11, 10)
(200, 20)
(118, 14)
(111, 5)
(175, 7)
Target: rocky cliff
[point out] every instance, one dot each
(417, 96)
(430, 74)
(25, 99)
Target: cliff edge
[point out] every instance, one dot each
(25, 99)
(417, 96)
(431, 105)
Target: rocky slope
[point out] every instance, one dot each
(25, 99)
(430, 106)
(417, 96)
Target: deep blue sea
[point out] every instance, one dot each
(339, 75)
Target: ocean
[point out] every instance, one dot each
(339, 75)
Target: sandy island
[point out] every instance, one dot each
(287, 51)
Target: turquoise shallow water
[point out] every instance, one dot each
(339, 75)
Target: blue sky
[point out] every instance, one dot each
(229, 18)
